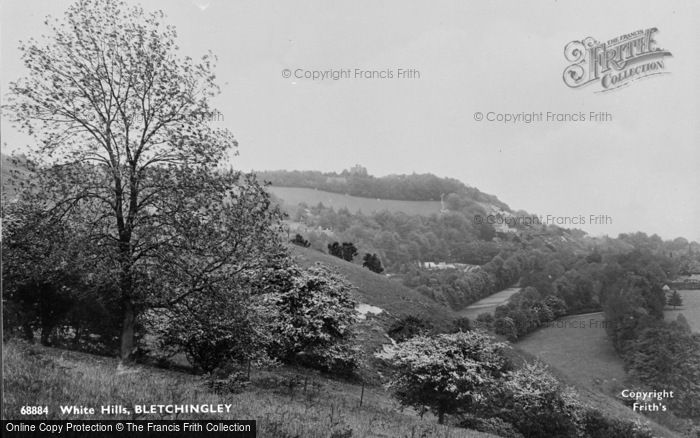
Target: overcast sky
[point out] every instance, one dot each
(640, 169)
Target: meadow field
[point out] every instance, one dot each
(293, 196)
(579, 352)
(488, 304)
(579, 347)
(690, 309)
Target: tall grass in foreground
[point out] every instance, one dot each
(42, 376)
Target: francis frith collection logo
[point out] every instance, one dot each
(614, 63)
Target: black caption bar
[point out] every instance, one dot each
(123, 429)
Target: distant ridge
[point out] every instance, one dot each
(293, 196)
(357, 182)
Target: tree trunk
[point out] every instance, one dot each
(45, 332)
(127, 337)
(441, 417)
(76, 338)
(28, 332)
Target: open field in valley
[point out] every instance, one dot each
(579, 347)
(690, 309)
(579, 352)
(488, 304)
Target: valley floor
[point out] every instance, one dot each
(579, 346)
(579, 351)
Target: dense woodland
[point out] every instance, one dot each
(401, 239)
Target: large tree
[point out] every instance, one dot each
(373, 263)
(675, 299)
(44, 286)
(123, 129)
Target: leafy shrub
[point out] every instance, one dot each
(213, 332)
(506, 326)
(300, 241)
(409, 327)
(347, 251)
(595, 424)
(485, 321)
(543, 312)
(494, 426)
(462, 324)
(556, 305)
(373, 263)
(342, 433)
(447, 373)
(521, 319)
(525, 312)
(234, 383)
(313, 313)
(340, 360)
(532, 400)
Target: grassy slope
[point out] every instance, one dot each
(378, 290)
(294, 195)
(580, 354)
(393, 298)
(43, 376)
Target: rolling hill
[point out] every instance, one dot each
(358, 182)
(296, 195)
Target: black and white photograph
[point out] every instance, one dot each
(350, 219)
